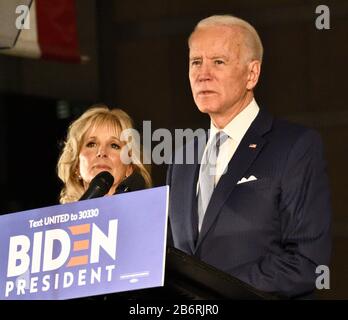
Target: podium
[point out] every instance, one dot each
(106, 248)
(188, 278)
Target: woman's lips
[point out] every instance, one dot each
(102, 167)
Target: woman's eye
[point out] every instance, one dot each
(115, 146)
(90, 144)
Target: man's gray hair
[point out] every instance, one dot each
(251, 37)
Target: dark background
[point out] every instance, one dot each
(139, 62)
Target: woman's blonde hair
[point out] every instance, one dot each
(68, 162)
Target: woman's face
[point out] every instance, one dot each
(100, 151)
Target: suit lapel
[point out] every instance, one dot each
(238, 165)
(190, 177)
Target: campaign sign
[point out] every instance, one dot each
(85, 248)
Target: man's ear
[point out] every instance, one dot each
(254, 69)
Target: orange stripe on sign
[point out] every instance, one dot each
(77, 261)
(80, 229)
(81, 245)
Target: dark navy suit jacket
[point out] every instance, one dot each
(271, 233)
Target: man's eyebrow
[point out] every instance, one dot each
(219, 57)
(195, 58)
(211, 58)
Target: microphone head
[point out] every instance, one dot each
(132, 183)
(103, 180)
(99, 186)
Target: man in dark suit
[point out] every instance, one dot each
(255, 203)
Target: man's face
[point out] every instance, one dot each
(218, 69)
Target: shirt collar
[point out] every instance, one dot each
(238, 126)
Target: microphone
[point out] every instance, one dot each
(132, 183)
(99, 186)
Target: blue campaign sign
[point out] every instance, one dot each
(85, 248)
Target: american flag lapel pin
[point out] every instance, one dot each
(253, 145)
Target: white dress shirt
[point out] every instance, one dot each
(235, 130)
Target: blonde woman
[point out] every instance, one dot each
(94, 145)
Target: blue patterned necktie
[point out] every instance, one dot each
(207, 174)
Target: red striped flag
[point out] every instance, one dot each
(52, 32)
